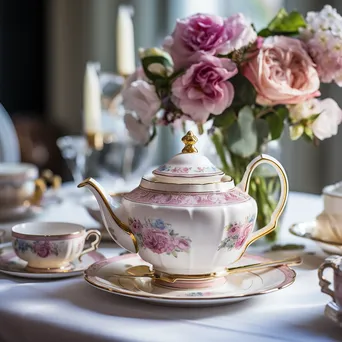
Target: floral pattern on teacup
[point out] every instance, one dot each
(41, 248)
(159, 237)
(237, 233)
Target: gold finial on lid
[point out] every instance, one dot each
(189, 140)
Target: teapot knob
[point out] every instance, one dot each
(189, 140)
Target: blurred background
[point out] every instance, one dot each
(44, 48)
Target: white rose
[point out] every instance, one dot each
(326, 124)
(303, 110)
(137, 130)
(141, 97)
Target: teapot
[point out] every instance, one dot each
(187, 218)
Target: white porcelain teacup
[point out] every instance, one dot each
(329, 222)
(51, 245)
(334, 262)
(17, 183)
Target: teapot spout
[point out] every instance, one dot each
(118, 230)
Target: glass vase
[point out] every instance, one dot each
(264, 185)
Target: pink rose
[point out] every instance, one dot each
(157, 241)
(326, 125)
(42, 248)
(137, 130)
(240, 32)
(141, 97)
(282, 72)
(202, 34)
(138, 74)
(182, 244)
(243, 236)
(234, 229)
(204, 89)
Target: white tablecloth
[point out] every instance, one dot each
(71, 310)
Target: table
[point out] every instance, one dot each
(70, 310)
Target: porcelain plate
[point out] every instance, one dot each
(236, 287)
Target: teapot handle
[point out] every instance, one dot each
(284, 191)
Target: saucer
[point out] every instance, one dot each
(234, 288)
(20, 212)
(12, 265)
(333, 312)
(305, 230)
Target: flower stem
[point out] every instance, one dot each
(217, 140)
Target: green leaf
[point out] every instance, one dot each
(262, 130)
(265, 33)
(276, 125)
(284, 24)
(245, 93)
(148, 61)
(282, 112)
(226, 119)
(174, 253)
(242, 137)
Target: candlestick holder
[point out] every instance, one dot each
(95, 141)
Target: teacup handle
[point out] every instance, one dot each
(330, 262)
(284, 191)
(39, 190)
(94, 244)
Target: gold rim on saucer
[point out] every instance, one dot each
(67, 268)
(144, 289)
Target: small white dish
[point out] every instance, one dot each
(10, 264)
(236, 287)
(306, 229)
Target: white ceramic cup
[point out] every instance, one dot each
(329, 222)
(50, 245)
(17, 183)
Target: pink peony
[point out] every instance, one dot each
(136, 129)
(326, 125)
(282, 72)
(42, 248)
(141, 97)
(157, 241)
(202, 34)
(204, 89)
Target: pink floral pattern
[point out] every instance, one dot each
(236, 234)
(188, 169)
(187, 199)
(42, 248)
(159, 237)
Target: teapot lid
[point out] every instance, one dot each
(188, 164)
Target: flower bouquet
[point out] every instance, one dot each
(248, 84)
